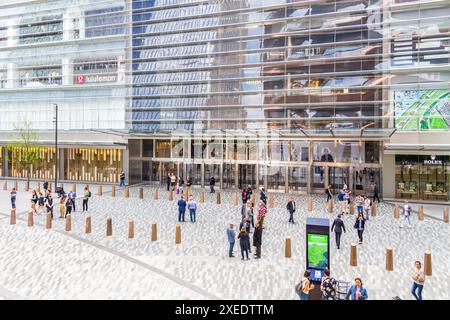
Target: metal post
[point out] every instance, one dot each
(56, 148)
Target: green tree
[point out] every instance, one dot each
(23, 148)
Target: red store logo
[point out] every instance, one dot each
(80, 79)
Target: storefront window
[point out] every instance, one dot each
(2, 173)
(324, 151)
(299, 151)
(370, 152)
(41, 169)
(298, 177)
(347, 151)
(180, 148)
(278, 150)
(215, 149)
(199, 147)
(163, 148)
(147, 148)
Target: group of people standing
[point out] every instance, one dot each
(248, 221)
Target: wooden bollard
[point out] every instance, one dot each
(287, 247)
(397, 212)
(310, 204)
(352, 207)
(421, 213)
(5, 185)
(12, 219)
(186, 195)
(88, 225)
(446, 215)
(235, 199)
(74, 187)
(130, 229)
(30, 218)
(170, 195)
(155, 194)
(218, 198)
(353, 256)
(389, 259)
(113, 191)
(373, 210)
(48, 222)
(177, 234)
(38, 187)
(100, 190)
(27, 186)
(253, 198)
(202, 196)
(270, 201)
(109, 227)
(427, 264)
(154, 232)
(141, 193)
(127, 192)
(69, 223)
(330, 206)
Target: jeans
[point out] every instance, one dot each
(244, 249)
(303, 296)
(13, 202)
(230, 250)
(405, 219)
(181, 215)
(85, 204)
(375, 196)
(417, 287)
(258, 251)
(359, 209)
(122, 183)
(192, 214)
(360, 235)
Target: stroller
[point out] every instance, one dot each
(342, 289)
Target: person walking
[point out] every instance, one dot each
(359, 226)
(418, 277)
(86, 196)
(34, 201)
(376, 193)
(367, 207)
(329, 193)
(122, 179)
(291, 209)
(338, 226)
(231, 234)
(168, 180)
(328, 286)
(249, 214)
(69, 206)
(192, 207)
(406, 214)
(244, 240)
(212, 183)
(262, 213)
(181, 209)
(305, 286)
(41, 202)
(357, 291)
(359, 204)
(257, 240)
(263, 196)
(49, 205)
(13, 195)
(173, 181)
(341, 201)
(347, 201)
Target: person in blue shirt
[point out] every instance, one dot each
(357, 291)
(181, 209)
(231, 234)
(341, 201)
(192, 206)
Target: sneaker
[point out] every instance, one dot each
(242, 258)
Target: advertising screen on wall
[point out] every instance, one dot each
(318, 254)
(422, 109)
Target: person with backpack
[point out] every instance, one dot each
(73, 197)
(13, 195)
(291, 209)
(328, 286)
(41, 202)
(122, 179)
(86, 196)
(192, 207)
(304, 286)
(406, 214)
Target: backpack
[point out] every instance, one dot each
(90, 194)
(299, 287)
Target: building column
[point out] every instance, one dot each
(203, 175)
(286, 179)
(236, 175)
(5, 161)
(12, 32)
(68, 26)
(67, 71)
(11, 76)
(61, 164)
(257, 176)
(126, 164)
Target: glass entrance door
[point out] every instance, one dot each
(338, 177)
(212, 170)
(364, 180)
(228, 175)
(247, 175)
(194, 171)
(165, 169)
(276, 177)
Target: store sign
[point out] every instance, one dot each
(432, 161)
(95, 79)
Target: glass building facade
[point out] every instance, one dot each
(290, 95)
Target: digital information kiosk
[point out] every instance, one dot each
(317, 251)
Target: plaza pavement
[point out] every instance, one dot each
(53, 264)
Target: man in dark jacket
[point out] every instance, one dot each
(291, 208)
(181, 209)
(257, 240)
(376, 192)
(338, 226)
(212, 183)
(168, 181)
(263, 196)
